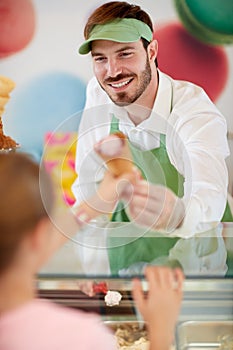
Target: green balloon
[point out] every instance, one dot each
(209, 21)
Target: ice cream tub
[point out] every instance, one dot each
(205, 335)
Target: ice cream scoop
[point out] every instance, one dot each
(111, 298)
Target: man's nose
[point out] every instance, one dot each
(113, 68)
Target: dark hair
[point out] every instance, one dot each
(21, 204)
(117, 9)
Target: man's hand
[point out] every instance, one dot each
(109, 192)
(112, 189)
(155, 206)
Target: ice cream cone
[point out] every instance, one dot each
(115, 151)
(6, 86)
(3, 101)
(2, 110)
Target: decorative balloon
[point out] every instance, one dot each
(41, 106)
(210, 21)
(17, 18)
(184, 57)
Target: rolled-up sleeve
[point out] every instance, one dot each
(198, 148)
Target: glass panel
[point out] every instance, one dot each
(207, 255)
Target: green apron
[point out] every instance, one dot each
(147, 249)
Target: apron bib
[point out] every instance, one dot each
(124, 254)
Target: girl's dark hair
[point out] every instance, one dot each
(21, 202)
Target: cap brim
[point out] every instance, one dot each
(124, 30)
(117, 37)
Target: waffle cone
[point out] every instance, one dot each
(3, 101)
(6, 86)
(2, 110)
(122, 162)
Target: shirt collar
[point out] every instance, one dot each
(160, 111)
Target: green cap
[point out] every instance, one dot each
(122, 30)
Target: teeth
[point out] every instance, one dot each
(120, 84)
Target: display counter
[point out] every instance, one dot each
(205, 319)
(204, 299)
(207, 294)
(207, 307)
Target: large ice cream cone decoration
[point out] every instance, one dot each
(6, 86)
(115, 151)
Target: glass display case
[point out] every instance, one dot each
(206, 315)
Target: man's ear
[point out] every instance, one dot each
(152, 50)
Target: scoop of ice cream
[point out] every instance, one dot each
(112, 298)
(110, 146)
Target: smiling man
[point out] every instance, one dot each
(124, 86)
(176, 134)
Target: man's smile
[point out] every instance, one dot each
(118, 85)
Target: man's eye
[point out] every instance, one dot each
(126, 54)
(99, 59)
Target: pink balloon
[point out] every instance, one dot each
(17, 25)
(183, 57)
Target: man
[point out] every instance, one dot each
(177, 136)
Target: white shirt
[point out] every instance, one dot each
(195, 139)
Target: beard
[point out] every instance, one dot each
(124, 98)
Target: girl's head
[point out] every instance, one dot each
(22, 198)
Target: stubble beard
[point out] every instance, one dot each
(123, 98)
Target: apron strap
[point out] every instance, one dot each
(114, 125)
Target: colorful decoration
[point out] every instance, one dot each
(185, 58)
(45, 103)
(210, 21)
(17, 18)
(59, 160)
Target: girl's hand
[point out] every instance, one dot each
(160, 307)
